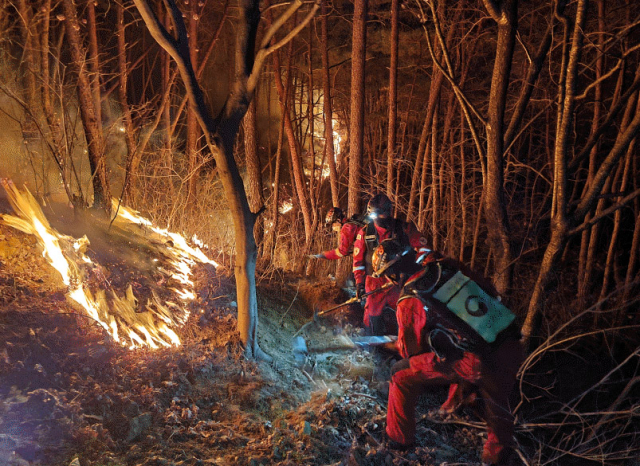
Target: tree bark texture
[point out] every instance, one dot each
(393, 99)
(495, 199)
(356, 132)
(92, 127)
(328, 107)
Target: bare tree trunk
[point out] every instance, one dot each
(294, 152)
(167, 88)
(425, 200)
(275, 199)
(310, 132)
(356, 133)
(434, 94)
(393, 98)
(123, 77)
(94, 59)
(505, 14)
(435, 192)
(590, 236)
(92, 128)
(617, 220)
(278, 163)
(328, 108)
(463, 198)
(193, 130)
(221, 133)
(254, 167)
(29, 60)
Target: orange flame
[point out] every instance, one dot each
(116, 314)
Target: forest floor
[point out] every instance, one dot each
(71, 396)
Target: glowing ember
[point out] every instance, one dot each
(168, 262)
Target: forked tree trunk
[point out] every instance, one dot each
(559, 219)
(221, 134)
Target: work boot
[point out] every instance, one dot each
(393, 445)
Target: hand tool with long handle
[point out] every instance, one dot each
(346, 303)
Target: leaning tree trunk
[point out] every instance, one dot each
(221, 133)
(559, 219)
(300, 180)
(434, 94)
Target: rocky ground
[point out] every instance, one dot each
(69, 395)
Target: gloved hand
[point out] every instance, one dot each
(316, 256)
(431, 256)
(360, 291)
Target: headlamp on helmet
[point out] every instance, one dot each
(379, 206)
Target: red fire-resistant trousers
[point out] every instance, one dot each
(376, 303)
(495, 376)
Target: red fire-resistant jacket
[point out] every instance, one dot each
(346, 239)
(414, 237)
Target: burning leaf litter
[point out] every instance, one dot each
(120, 312)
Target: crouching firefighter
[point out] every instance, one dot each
(347, 229)
(383, 226)
(452, 329)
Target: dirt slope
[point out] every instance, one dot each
(70, 396)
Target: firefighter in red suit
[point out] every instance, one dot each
(438, 349)
(347, 228)
(383, 226)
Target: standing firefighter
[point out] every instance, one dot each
(452, 329)
(383, 226)
(347, 228)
